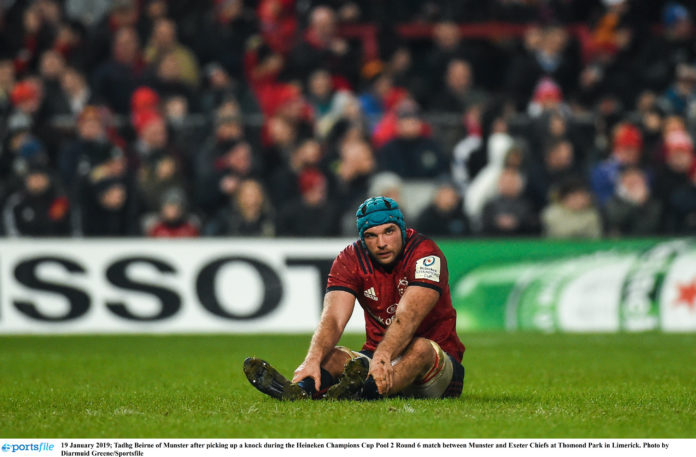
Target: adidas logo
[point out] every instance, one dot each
(370, 293)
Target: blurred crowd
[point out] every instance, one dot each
(557, 118)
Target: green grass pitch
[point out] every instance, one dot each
(522, 385)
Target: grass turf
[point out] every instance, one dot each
(517, 385)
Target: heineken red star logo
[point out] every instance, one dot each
(687, 294)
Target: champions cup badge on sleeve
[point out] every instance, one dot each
(428, 268)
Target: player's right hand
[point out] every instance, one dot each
(309, 369)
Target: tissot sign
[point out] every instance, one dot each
(164, 286)
(169, 286)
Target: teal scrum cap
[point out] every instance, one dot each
(377, 211)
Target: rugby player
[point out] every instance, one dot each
(400, 279)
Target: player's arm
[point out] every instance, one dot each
(338, 307)
(414, 305)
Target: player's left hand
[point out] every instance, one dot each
(382, 372)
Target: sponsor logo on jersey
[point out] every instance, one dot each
(428, 268)
(371, 294)
(403, 284)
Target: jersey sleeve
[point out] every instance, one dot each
(427, 267)
(344, 274)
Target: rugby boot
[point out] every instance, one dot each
(350, 384)
(270, 382)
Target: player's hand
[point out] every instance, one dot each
(309, 369)
(382, 372)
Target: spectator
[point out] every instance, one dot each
(159, 166)
(26, 96)
(18, 145)
(446, 47)
(412, 154)
(649, 118)
(167, 79)
(187, 135)
(283, 137)
(661, 55)
(469, 156)
(613, 54)
(284, 183)
(223, 34)
(509, 213)
(406, 74)
(152, 137)
(249, 213)
(91, 149)
(458, 92)
(548, 54)
(23, 149)
(322, 45)
(71, 43)
(219, 86)
(143, 102)
(484, 186)
(164, 42)
(312, 215)
(572, 212)
(352, 176)
(52, 67)
(173, 219)
(682, 206)
(31, 36)
(679, 162)
(153, 11)
(320, 92)
(632, 211)
(116, 79)
(221, 180)
(626, 152)
(123, 14)
(75, 92)
(381, 95)
(108, 208)
(559, 164)
(444, 216)
(387, 184)
(680, 97)
(546, 99)
(88, 12)
(278, 24)
(345, 121)
(40, 208)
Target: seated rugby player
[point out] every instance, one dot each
(400, 279)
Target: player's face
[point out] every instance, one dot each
(384, 242)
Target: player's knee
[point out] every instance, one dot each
(423, 347)
(337, 359)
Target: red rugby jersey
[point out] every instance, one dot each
(379, 289)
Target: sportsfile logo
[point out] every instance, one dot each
(29, 447)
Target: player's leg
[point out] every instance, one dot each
(269, 381)
(331, 369)
(414, 363)
(352, 378)
(443, 378)
(336, 360)
(423, 370)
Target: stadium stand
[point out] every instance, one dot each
(263, 117)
